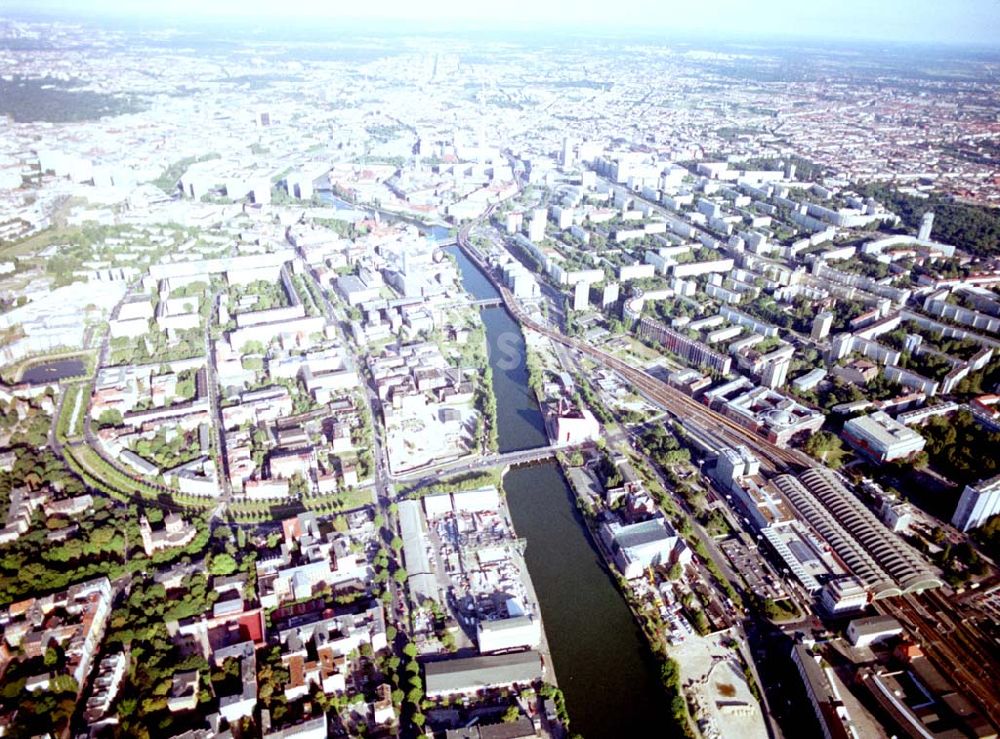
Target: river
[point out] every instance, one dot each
(329, 198)
(436, 232)
(600, 656)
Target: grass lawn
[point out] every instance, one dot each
(836, 458)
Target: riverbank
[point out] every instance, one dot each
(703, 675)
(529, 587)
(511, 406)
(606, 673)
(605, 670)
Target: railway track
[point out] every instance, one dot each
(773, 458)
(951, 645)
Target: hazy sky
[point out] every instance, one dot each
(946, 21)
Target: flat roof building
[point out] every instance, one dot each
(140, 465)
(772, 415)
(881, 437)
(413, 531)
(761, 503)
(864, 631)
(803, 554)
(843, 595)
(691, 350)
(735, 463)
(504, 634)
(805, 383)
(834, 720)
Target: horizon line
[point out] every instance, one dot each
(403, 26)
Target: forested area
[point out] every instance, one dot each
(973, 228)
(961, 449)
(56, 101)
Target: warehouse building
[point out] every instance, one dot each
(468, 676)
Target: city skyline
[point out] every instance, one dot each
(964, 22)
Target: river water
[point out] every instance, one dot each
(600, 657)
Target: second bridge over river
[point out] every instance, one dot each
(430, 475)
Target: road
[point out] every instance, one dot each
(524, 456)
(384, 492)
(953, 644)
(215, 411)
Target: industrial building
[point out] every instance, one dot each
(640, 545)
(884, 563)
(507, 634)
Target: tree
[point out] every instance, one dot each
(51, 657)
(222, 564)
(511, 714)
(252, 347)
(110, 417)
(826, 447)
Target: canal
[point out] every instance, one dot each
(599, 654)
